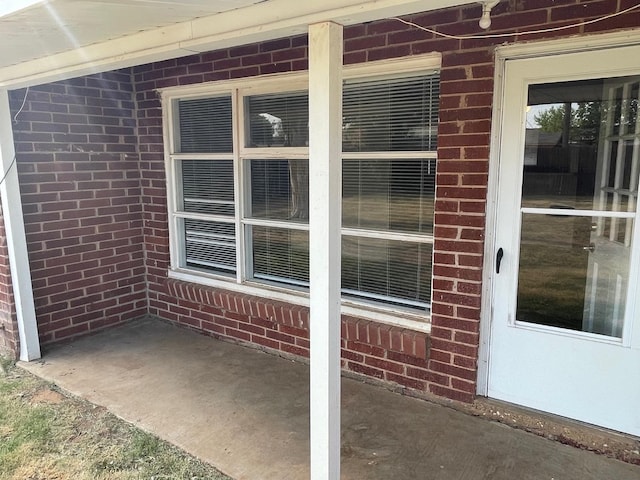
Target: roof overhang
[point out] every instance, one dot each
(48, 40)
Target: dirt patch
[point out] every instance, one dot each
(47, 396)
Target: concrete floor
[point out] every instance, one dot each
(246, 412)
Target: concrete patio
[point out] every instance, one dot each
(246, 412)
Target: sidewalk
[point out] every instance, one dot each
(246, 413)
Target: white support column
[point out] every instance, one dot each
(325, 199)
(16, 239)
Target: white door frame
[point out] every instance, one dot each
(502, 54)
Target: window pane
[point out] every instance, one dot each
(389, 271)
(391, 114)
(571, 275)
(210, 245)
(205, 125)
(280, 255)
(578, 143)
(279, 189)
(277, 120)
(207, 187)
(394, 195)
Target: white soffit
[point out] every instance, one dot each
(42, 41)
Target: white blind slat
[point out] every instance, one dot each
(207, 187)
(205, 125)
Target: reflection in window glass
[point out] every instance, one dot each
(397, 114)
(280, 255)
(279, 189)
(277, 120)
(579, 159)
(394, 272)
(395, 195)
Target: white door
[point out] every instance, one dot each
(565, 331)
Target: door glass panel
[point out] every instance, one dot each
(571, 277)
(581, 159)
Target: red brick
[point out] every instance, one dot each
(365, 348)
(265, 342)
(405, 381)
(465, 386)
(452, 370)
(301, 352)
(451, 393)
(452, 347)
(464, 362)
(365, 43)
(468, 313)
(388, 52)
(403, 358)
(440, 356)
(462, 166)
(469, 338)
(353, 356)
(420, 345)
(384, 365)
(456, 324)
(364, 370)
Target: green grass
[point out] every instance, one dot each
(47, 435)
(553, 270)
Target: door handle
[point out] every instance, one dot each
(499, 256)
(589, 248)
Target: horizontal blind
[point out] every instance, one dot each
(279, 189)
(388, 115)
(280, 255)
(210, 245)
(277, 120)
(389, 195)
(205, 125)
(388, 271)
(207, 187)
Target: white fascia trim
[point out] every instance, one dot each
(405, 319)
(264, 21)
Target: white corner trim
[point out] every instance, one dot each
(16, 239)
(486, 311)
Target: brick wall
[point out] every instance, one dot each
(77, 161)
(94, 195)
(9, 340)
(446, 363)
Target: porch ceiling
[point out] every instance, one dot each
(45, 40)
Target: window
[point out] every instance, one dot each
(239, 185)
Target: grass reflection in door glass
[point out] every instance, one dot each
(553, 270)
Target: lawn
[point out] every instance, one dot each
(46, 434)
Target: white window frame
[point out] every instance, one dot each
(238, 89)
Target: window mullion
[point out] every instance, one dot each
(238, 184)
